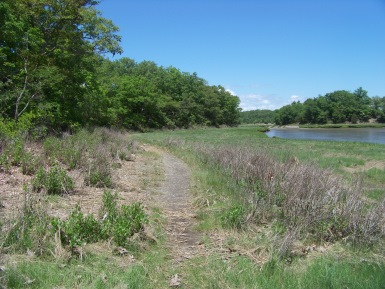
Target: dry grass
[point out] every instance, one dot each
(301, 200)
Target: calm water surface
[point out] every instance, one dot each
(371, 135)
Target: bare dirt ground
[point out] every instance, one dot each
(175, 199)
(153, 178)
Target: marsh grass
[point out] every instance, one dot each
(100, 269)
(294, 193)
(322, 272)
(376, 175)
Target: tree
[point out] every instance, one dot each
(45, 52)
(289, 114)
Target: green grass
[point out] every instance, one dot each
(376, 194)
(94, 271)
(216, 195)
(323, 272)
(328, 154)
(217, 198)
(376, 175)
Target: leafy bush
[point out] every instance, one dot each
(234, 217)
(55, 181)
(12, 153)
(30, 164)
(129, 221)
(28, 230)
(99, 171)
(99, 177)
(77, 229)
(117, 223)
(120, 223)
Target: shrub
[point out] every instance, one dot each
(28, 230)
(120, 223)
(117, 223)
(77, 229)
(30, 164)
(99, 171)
(12, 153)
(54, 182)
(234, 217)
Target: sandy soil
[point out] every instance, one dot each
(140, 180)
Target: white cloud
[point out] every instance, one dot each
(295, 97)
(258, 101)
(231, 92)
(253, 101)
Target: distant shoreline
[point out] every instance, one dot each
(342, 125)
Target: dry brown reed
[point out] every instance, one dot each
(306, 201)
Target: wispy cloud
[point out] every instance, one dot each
(295, 98)
(253, 101)
(231, 92)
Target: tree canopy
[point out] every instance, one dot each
(335, 107)
(52, 70)
(257, 116)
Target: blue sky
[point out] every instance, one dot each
(269, 53)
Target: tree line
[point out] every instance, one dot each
(54, 73)
(334, 107)
(257, 116)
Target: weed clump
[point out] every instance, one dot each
(54, 181)
(116, 223)
(28, 230)
(234, 217)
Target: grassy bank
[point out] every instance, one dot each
(272, 213)
(272, 248)
(344, 125)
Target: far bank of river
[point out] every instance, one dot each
(370, 135)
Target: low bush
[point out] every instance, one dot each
(234, 217)
(77, 229)
(30, 164)
(28, 229)
(54, 182)
(12, 153)
(116, 223)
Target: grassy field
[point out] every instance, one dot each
(254, 233)
(221, 203)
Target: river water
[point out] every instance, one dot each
(371, 135)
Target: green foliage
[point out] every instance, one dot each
(47, 66)
(30, 163)
(117, 223)
(99, 175)
(120, 223)
(28, 231)
(130, 220)
(336, 107)
(12, 153)
(144, 95)
(54, 182)
(257, 116)
(234, 217)
(77, 229)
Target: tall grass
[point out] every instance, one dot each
(300, 199)
(323, 272)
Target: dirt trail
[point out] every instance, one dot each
(175, 200)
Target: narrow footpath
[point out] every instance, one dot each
(175, 200)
